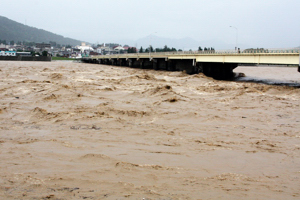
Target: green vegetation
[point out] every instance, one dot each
(62, 58)
(132, 50)
(141, 50)
(168, 49)
(44, 53)
(165, 49)
(206, 49)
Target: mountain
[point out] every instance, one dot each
(183, 43)
(11, 30)
(160, 42)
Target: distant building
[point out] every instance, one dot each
(23, 54)
(3, 45)
(66, 54)
(119, 48)
(94, 53)
(7, 53)
(99, 50)
(84, 47)
(105, 50)
(29, 49)
(43, 46)
(76, 50)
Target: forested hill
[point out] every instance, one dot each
(11, 30)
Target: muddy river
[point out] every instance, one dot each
(85, 131)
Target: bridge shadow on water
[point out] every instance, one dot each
(241, 77)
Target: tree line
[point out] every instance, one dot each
(12, 42)
(151, 49)
(26, 43)
(168, 49)
(206, 49)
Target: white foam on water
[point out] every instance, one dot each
(272, 75)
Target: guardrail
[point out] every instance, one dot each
(243, 51)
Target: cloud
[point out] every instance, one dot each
(268, 23)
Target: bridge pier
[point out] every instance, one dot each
(171, 65)
(155, 64)
(114, 62)
(159, 64)
(123, 62)
(107, 62)
(136, 63)
(130, 63)
(219, 71)
(141, 62)
(163, 64)
(148, 64)
(189, 66)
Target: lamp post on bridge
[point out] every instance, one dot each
(236, 42)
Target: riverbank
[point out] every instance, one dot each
(63, 58)
(25, 58)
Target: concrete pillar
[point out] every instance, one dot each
(107, 62)
(147, 64)
(141, 62)
(130, 62)
(185, 65)
(122, 62)
(161, 64)
(155, 64)
(219, 71)
(136, 63)
(171, 66)
(114, 61)
(299, 64)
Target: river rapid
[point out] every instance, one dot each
(87, 131)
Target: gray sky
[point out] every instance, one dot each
(260, 23)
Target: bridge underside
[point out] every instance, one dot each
(190, 66)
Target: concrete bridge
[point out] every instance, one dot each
(216, 64)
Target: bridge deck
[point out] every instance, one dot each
(244, 58)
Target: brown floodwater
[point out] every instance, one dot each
(86, 131)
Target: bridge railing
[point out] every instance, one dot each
(286, 50)
(242, 51)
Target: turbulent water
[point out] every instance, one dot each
(87, 131)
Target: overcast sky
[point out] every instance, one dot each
(260, 23)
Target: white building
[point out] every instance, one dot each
(119, 48)
(99, 50)
(84, 47)
(7, 53)
(3, 45)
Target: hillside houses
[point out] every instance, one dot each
(78, 51)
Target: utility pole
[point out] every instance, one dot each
(150, 46)
(236, 42)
